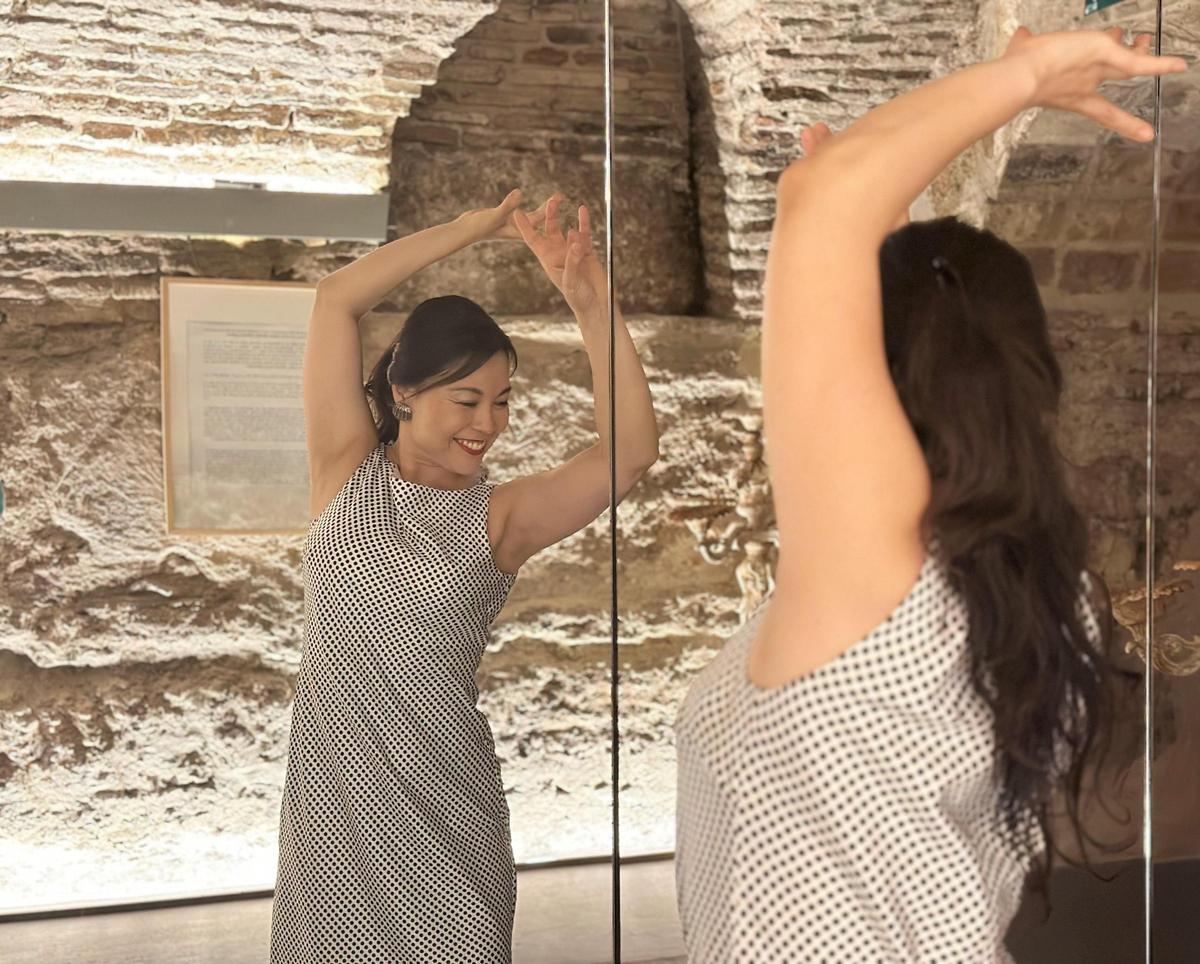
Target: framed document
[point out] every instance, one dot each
(233, 420)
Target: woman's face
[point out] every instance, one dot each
(453, 425)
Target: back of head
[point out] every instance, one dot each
(967, 344)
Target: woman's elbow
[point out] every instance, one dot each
(650, 458)
(629, 477)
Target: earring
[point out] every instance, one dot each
(402, 412)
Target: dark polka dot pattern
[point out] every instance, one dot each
(851, 814)
(394, 841)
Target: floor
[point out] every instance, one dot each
(564, 916)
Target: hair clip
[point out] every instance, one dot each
(943, 270)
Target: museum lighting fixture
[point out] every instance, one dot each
(226, 209)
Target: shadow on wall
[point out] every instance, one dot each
(520, 103)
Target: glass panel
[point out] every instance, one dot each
(675, 273)
(1176, 571)
(702, 129)
(178, 705)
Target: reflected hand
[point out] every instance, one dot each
(569, 260)
(1068, 66)
(811, 139)
(496, 224)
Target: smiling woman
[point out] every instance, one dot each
(409, 559)
(446, 376)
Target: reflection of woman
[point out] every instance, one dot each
(864, 769)
(394, 837)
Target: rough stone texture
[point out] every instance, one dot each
(145, 681)
(521, 104)
(304, 95)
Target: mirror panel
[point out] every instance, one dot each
(696, 545)
(150, 698)
(1175, 629)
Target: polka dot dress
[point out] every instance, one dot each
(394, 842)
(847, 816)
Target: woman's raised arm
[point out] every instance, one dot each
(878, 165)
(546, 507)
(362, 284)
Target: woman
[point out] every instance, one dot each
(394, 831)
(865, 768)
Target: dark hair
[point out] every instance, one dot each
(967, 344)
(450, 337)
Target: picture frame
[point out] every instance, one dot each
(234, 452)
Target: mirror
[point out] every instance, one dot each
(365, 712)
(1175, 615)
(716, 115)
(521, 103)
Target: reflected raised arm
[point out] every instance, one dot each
(546, 507)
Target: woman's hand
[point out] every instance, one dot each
(569, 260)
(811, 139)
(1068, 66)
(496, 224)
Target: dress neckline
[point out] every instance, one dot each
(394, 474)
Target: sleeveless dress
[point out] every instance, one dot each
(848, 815)
(394, 842)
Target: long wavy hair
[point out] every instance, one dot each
(966, 340)
(442, 340)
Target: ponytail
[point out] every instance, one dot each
(968, 349)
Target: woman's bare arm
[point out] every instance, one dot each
(337, 419)
(849, 478)
(878, 166)
(546, 507)
(636, 425)
(362, 284)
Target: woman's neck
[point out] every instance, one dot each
(432, 476)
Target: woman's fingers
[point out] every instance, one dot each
(532, 220)
(1096, 107)
(521, 220)
(538, 217)
(578, 246)
(1109, 115)
(570, 267)
(1147, 64)
(549, 252)
(553, 230)
(1140, 42)
(1135, 60)
(529, 234)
